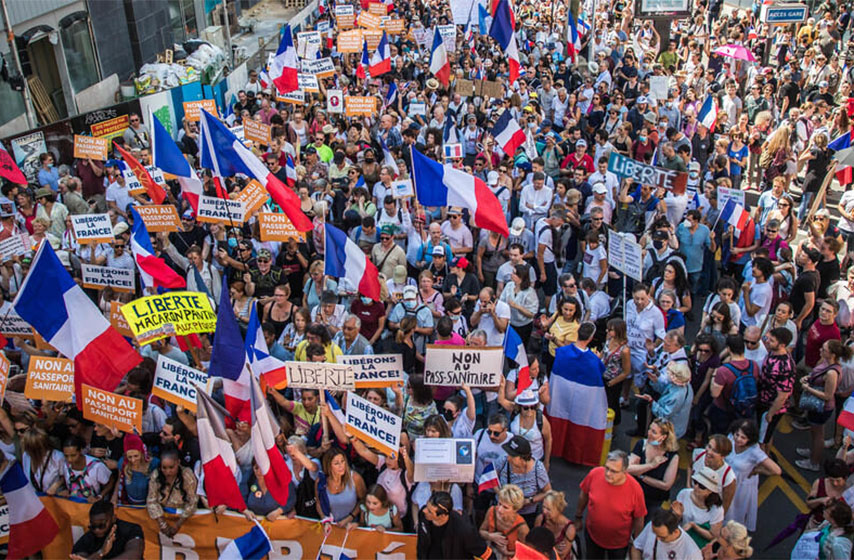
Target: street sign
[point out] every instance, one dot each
(781, 14)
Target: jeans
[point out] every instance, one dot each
(804, 208)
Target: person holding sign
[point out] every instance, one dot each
(460, 421)
(172, 486)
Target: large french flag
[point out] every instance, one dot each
(502, 30)
(218, 461)
(167, 156)
(381, 59)
(508, 134)
(228, 358)
(442, 185)
(514, 349)
(269, 459)
(226, 156)
(31, 526)
(734, 214)
(578, 409)
(573, 40)
(440, 66)
(344, 259)
(58, 309)
(284, 68)
(153, 270)
(843, 145)
(708, 114)
(364, 62)
(263, 365)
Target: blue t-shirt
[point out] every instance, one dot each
(735, 169)
(692, 245)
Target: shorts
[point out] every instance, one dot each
(819, 418)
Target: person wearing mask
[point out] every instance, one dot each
(443, 533)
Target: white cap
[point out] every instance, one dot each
(492, 178)
(410, 292)
(517, 227)
(600, 188)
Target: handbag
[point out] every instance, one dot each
(810, 402)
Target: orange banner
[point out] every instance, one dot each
(159, 217)
(192, 109)
(369, 20)
(278, 227)
(253, 196)
(88, 147)
(350, 41)
(116, 411)
(118, 321)
(360, 105)
(205, 535)
(50, 379)
(256, 131)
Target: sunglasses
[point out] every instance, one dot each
(263, 260)
(529, 407)
(385, 237)
(494, 433)
(751, 342)
(703, 350)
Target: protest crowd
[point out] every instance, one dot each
(477, 241)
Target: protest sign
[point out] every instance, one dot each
(297, 97)
(253, 196)
(658, 87)
(193, 109)
(345, 16)
(175, 382)
(132, 182)
(375, 370)
(464, 87)
(322, 26)
(238, 133)
(369, 20)
(724, 194)
(394, 26)
(372, 37)
(644, 174)
(422, 36)
(372, 424)
(625, 255)
(322, 67)
(100, 277)
(92, 228)
(360, 105)
(40, 343)
(159, 217)
(156, 174)
(50, 379)
(449, 36)
(402, 189)
(493, 90)
(377, 8)
(308, 43)
(278, 227)
(444, 459)
(320, 375)
(256, 131)
(110, 128)
(151, 318)
(86, 147)
(458, 365)
(11, 247)
(214, 210)
(5, 365)
(417, 108)
(14, 325)
(350, 41)
(308, 82)
(118, 321)
(335, 101)
(113, 410)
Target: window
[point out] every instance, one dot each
(79, 55)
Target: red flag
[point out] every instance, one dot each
(9, 169)
(155, 191)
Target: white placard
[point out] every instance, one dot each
(449, 36)
(457, 365)
(92, 228)
(462, 10)
(156, 174)
(213, 209)
(444, 460)
(625, 255)
(13, 246)
(375, 370)
(344, 10)
(308, 82)
(131, 181)
(402, 189)
(15, 325)
(334, 101)
(323, 26)
(725, 194)
(308, 43)
(373, 424)
(297, 97)
(658, 87)
(100, 277)
(320, 375)
(321, 67)
(175, 382)
(417, 108)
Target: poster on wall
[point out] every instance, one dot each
(26, 150)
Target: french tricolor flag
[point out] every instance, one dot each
(219, 463)
(440, 66)
(167, 156)
(334, 407)
(290, 172)
(254, 544)
(226, 156)
(508, 133)
(514, 349)
(734, 214)
(502, 30)
(442, 185)
(269, 459)
(153, 271)
(228, 358)
(488, 479)
(263, 365)
(573, 40)
(31, 526)
(708, 114)
(362, 69)
(578, 409)
(58, 309)
(344, 259)
(842, 145)
(380, 62)
(846, 416)
(285, 66)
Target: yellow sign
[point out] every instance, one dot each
(175, 313)
(50, 379)
(116, 411)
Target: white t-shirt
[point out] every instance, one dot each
(599, 304)
(683, 547)
(508, 268)
(463, 425)
(488, 452)
(647, 324)
(694, 513)
(734, 311)
(337, 319)
(97, 474)
(120, 195)
(592, 258)
(460, 237)
(493, 336)
(423, 492)
(760, 295)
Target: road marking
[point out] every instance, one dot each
(774, 482)
(790, 470)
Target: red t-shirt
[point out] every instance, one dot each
(611, 509)
(816, 336)
(725, 377)
(369, 315)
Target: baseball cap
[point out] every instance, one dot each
(599, 188)
(517, 447)
(823, 83)
(517, 226)
(492, 178)
(410, 292)
(581, 142)
(188, 215)
(387, 229)
(265, 254)
(695, 166)
(311, 150)
(660, 235)
(399, 274)
(438, 251)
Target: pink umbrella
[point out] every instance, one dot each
(736, 51)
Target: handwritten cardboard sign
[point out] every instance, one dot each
(50, 379)
(308, 82)
(92, 228)
(464, 87)
(118, 321)
(192, 109)
(253, 196)
(256, 131)
(458, 365)
(100, 277)
(175, 382)
(113, 410)
(90, 147)
(278, 227)
(360, 105)
(163, 217)
(322, 67)
(215, 210)
(320, 375)
(373, 424)
(379, 370)
(350, 41)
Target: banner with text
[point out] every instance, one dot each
(375, 370)
(374, 425)
(92, 228)
(50, 379)
(116, 411)
(174, 382)
(278, 227)
(644, 174)
(458, 365)
(320, 375)
(100, 277)
(215, 210)
(159, 217)
(174, 313)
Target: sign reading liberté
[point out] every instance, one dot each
(320, 375)
(377, 370)
(460, 365)
(374, 425)
(644, 174)
(176, 383)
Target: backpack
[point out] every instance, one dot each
(744, 392)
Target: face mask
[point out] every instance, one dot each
(453, 317)
(653, 443)
(448, 414)
(409, 304)
(232, 243)
(532, 125)
(658, 244)
(642, 138)
(369, 160)
(366, 300)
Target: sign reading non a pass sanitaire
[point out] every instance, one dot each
(462, 365)
(159, 217)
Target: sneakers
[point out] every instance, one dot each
(800, 424)
(624, 403)
(806, 465)
(804, 452)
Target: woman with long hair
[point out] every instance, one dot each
(344, 488)
(378, 513)
(784, 213)
(617, 358)
(818, 159)
(295, 331)
(673, 278)
(825, 490)
(654, 462)
(553, 519)
(316, 284)
(700, 507)
(718, 323)
(41, 463)
(135, 468)
(562, 326)
(278, 312)
(241, 303)
(171, 486)
(522, 299)
(418, 405)
(775, 156)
